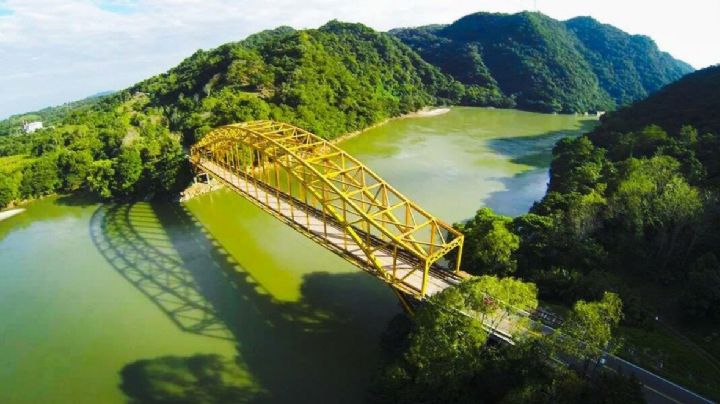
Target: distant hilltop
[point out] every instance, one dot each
(578, 65)
(337, 79)
(525, 60)
(32, 121)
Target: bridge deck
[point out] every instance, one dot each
(311, 223)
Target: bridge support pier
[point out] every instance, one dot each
(201, 177)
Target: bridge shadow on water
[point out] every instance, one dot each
(320, 348)
(521, 189)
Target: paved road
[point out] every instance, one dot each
(656, 388)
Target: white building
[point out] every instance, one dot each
(30, 127)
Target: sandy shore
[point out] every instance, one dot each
(10, 213)
(427, 112)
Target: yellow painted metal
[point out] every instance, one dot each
(314, 175)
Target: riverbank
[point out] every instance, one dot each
(7, 214)
(425, 112)
(199, 188)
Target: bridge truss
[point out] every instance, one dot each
(331, 197)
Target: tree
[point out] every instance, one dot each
(446, 350)
(127, 168)
(248, 71)
(489, 244)
(488, 293)
(588, 330)
(9, 184)
(577, 166)
(40, 177)
(231, 106)
(656, 210)
(647, 141)
(445, 357)
(101, 177)
(567, 387)
(74, 168)
(538, 245)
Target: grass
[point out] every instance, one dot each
(659, 351)
(707, 336)
(688, 355)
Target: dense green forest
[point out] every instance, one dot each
(628, 67)
(441, 356)
(547, 65)
(632, 208)
(637, 196)
(333, 80)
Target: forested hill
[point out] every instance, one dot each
(544, 64)
(49, 116)
(628, 67)
(693, 100)
(642, 189)
(332, 80)
(632, 208)
(336, 79)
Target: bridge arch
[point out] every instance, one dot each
(328, 195)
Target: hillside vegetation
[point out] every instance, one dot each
(628, 67)
(442, 356)
(336, 79)
(547, 65)
(49, 116)
(632, 207)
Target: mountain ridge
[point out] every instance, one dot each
(610, 78)
(548, 65)
(336, 79)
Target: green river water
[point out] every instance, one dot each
(216, 299)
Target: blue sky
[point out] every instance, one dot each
(54, 51)
(119, 6)
(4, 10)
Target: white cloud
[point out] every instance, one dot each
(54, 51)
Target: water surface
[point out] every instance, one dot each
(454, 163)
(216, 299)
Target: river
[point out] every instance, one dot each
(215, 299)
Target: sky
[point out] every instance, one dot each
(55, 51)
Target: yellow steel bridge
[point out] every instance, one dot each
(331, 197)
